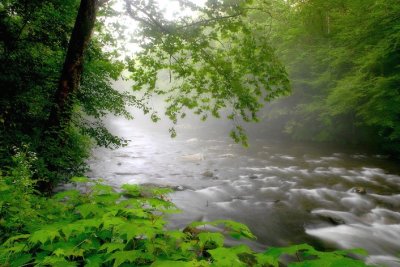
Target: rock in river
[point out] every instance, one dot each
(359, 190)
(208, 174)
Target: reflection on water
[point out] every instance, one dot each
(286, 193)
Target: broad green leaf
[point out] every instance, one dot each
(235, 227)
(160, 204)
(57, 262)
(120, 257)
(108, 199)
(141, 213)
(80, 226)
(70, 195)
(64, 245)
(225, 257)
(21, 260)
(216, 238)
(109, 222)
(42, 236)
(90, 208)
(129, 230)
(329, 262)
(92, 242)
(17, 248)
(94, 261)
(166, 263)
(131, 189)
(73, 251)
(267, 260)
(12, 239)
(111, 247)
(102, 189)
(277, 252)
(177, 235)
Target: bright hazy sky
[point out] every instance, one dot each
(171, 10)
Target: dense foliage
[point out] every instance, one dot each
(33, 40)
(343, 59)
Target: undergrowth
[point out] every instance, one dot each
(100, 226)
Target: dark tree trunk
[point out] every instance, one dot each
(61, 111)
(60, 114)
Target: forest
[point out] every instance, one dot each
(324, 72)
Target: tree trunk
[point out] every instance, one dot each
(61, 111)
(68, 85)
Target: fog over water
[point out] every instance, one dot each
(285, 192)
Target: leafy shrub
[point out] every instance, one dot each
(98, 226)
(17, 202)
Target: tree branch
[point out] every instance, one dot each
(153, 22)
(206, 21)
(102, 2)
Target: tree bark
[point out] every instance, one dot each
(68, 85)
(60, 114)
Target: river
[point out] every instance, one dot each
(287, 193)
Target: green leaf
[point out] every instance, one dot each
(90, 208)
(111, 221)
(57, 262)
(120, 257)
(329, 262)
(176, 235)
(131, 189)
(17, 248)
(108, 199)
(140, 213)
(94, 261)
(216, 238)
(129, 230)
(72, 251)
(102, 189)
(12, 239)
(143, 229)
(225, 257)
(70, 195)
(358, 251)
(111, 247)
(235, 229)
(167, 263)
(161, 205)
(80, 179)
(64, 245)
(44, 235)
(267, 260)
(277, 252)
(21, 260)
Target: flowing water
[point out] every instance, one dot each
(287, 193)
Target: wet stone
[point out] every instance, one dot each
(331, 219)
(208, 174)
(359, 190)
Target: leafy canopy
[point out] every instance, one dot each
(214, 62)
